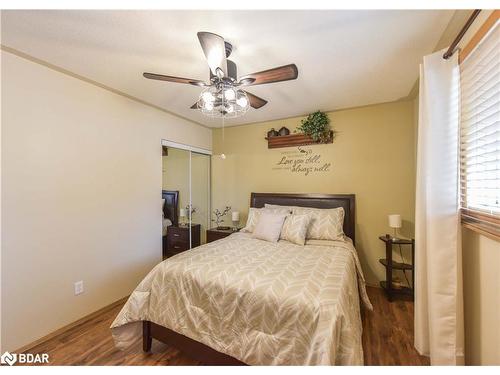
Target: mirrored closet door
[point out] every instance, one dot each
(186, 197)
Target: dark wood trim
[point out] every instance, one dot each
(346, 201)
(193, 348)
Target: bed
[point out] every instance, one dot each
(170, 214)
(240, 300)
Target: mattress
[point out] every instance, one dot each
(262, 303)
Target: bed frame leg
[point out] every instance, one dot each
(147, 340)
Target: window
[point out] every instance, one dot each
(480, 132)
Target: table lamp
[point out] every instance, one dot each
(235, 217)
(395, 223)
(183, 214)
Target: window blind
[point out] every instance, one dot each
(480, 127)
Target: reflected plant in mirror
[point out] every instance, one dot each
(190, 208)
(219, 217)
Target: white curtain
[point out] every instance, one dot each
(438, 256)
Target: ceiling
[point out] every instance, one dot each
(345, 58)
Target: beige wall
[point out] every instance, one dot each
(372, 157)
(481, 269)
(81, 181)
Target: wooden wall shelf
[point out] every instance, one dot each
(294, 140)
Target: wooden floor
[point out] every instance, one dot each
(387, 340)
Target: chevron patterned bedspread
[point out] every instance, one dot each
(260, 302)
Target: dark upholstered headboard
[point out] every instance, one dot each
(346, 201)
(170, 208)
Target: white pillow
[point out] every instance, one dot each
(295, 229)
(326, 224)
(269, 226)
(254, 215)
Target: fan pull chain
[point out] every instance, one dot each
(222, 155)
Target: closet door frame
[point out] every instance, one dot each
(197, 150)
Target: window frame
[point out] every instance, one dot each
(476, 220)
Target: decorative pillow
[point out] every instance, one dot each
(326, 224)
(295, 228)
(254, 215)
(269, 226)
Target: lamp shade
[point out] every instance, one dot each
(395, 221)
(183, 212)
(235, 216)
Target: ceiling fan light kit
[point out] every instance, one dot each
(222, 97)
(223, 101)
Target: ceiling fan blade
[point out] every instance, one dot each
(215, 52)
(282, 73)
(161, 77)
(194, 106)
(255, 101)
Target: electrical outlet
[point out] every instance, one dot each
(78, 287)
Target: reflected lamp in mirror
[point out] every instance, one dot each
(395, 223)
(182, 215)
(235, 217)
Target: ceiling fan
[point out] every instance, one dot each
(223, 96)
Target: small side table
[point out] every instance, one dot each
(390, 265)
(215, 234)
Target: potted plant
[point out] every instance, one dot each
(317, 126)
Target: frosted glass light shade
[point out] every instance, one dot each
(395, 221)
(183, 212)
(235, 216)
(229, 94)
(223, 101)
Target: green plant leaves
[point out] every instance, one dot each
(317, 126)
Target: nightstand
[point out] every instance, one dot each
(215, 234)
(178, 239)
(391, 265)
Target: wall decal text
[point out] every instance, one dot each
(302, 161)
